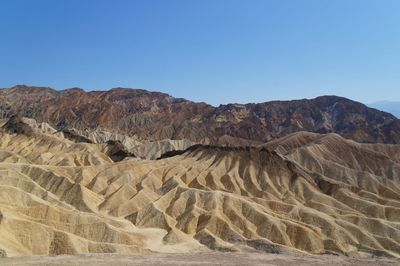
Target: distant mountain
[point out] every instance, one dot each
(155, 116)
(387, 106)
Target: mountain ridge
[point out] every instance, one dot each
(392, 107)
(156, 116)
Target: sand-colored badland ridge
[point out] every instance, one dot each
(305, 193)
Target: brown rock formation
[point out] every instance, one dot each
(156, 116)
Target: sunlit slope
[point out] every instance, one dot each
(305, 193)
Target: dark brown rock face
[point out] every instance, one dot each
(154, 115)
(15, 125)
(73, 136)
(116, 151)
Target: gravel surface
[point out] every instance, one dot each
(209, 258)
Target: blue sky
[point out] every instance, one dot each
(217, 51)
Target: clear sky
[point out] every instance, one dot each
(217, 51)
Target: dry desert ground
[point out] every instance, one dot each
(207, 258)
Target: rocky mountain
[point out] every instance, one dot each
(144, 115)
(301, 194)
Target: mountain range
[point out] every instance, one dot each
(130, 171)
(148, 115)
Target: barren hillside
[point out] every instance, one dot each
(305, 193)
(148, 116)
